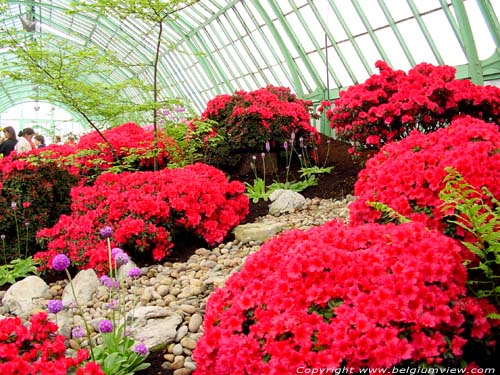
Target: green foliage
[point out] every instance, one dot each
(314, 170)
(478, 213)
(389, 215)
(17, 269)
(66, 73)
(116, 355)
(296, 186)
(192, 140)
(257, 190)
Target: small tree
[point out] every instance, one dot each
(67, 73)
(154, 12)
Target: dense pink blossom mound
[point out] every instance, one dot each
(408, 175)
(334, 296)
(145, 210)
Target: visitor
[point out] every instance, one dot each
(71, 140)
(9, 141)
(39, 141)
(58, 140)
(25, 142)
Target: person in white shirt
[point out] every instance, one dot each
(24, 142)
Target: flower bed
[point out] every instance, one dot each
(36, 348)
(146, 210)
(408, 175)
(338, 296)
(389, 105)
(247, 120)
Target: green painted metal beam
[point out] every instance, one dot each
(352, 40)
(475, 69)
(491, 20)
(295, 42)
(397, 33)
(426, 32)
(371, 31)
(286, 54)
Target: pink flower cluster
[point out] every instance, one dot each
(387, 106)
(145, 209)
(126, 139)
(337, 296)
(408, 175)
(249, 119)
(36, 348)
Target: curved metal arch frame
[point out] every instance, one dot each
(202, 74)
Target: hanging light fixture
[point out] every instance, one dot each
(28, 25)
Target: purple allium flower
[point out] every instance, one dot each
(292, 136)
(141, 349)
(268, 146)
(115, 251)
(60, 262)
(108, 282)
(105, 326)
(54, 306)
(301, 141)
(105, 280)
(285, 145)
(122, 258)
(13, 205)
(77, 332)
(113, 305)
(106, 232)
(262, 155)
(134, 272)
(2, 237)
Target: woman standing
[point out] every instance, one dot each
(10, 140)
(25, 142)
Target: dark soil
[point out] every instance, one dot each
(335, 185)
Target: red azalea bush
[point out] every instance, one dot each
(408, 175)
(338, 296)
(145, 210)
(248, 119)
(32, 196)
(389, 105)
(36, 348)
(134, 147)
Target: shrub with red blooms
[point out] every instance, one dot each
(32, 196)
(337, 296)
(408, 175)
(36, 348)
(145, 210)
(248, 119)
(133, 144)
(387, 106)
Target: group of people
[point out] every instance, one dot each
(26, 140)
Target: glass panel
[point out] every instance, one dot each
(393, 49)
(416, 41)
(444, 38)
(484, 41)
(300, 32)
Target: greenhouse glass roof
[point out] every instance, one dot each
(315, 47)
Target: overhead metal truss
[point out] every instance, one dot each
(315, 47)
